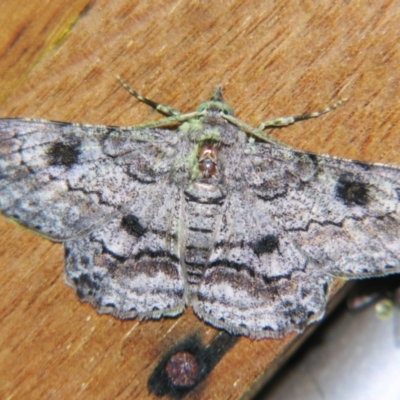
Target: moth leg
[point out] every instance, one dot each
(162, 109)
(285, 121)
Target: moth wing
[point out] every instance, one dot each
(106, 192)
(257, 282)
(343, 215)
(131, 265)
(299, 221)
(63, 180)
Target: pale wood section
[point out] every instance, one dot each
(58, 61)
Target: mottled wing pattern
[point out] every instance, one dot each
(343, 215)
(98, 189)
(64, 179)
(251, 234)
(302, 220)
(131, 265)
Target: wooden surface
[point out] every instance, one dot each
(58, 61)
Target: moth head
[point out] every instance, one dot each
(216, 104)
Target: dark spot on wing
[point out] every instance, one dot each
(86, 280)
(132, 225)
(85, 286)
(363, 165)
(232, 265)
(65, 154)
(310, 314)
(267, 244)
(325, 287)
(313, 158)
(84, 260)
(351, 191)
(267, 328)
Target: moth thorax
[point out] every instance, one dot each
(207, 159)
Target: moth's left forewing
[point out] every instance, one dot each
(43, 168)
(64, 179)
(106, 192)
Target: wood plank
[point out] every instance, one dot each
(58, 62)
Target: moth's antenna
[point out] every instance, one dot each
(162, 109)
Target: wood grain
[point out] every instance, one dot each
(58, 61)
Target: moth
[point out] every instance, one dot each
(200, 209)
